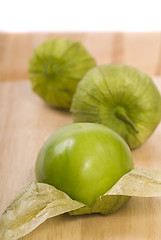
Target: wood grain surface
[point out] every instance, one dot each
(142, 50)
(25, 123)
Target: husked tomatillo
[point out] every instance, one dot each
(84, 160)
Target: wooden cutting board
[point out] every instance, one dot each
(25, 123)
(141, 50)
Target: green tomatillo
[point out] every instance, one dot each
(84, 160)
(55, 68)
(83, 168)
(120, 97)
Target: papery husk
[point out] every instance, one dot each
(31, 207)
(55, 68)
(139, 182)
(38, 202)
(120, 97)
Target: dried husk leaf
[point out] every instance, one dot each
(31, 207)
(38, 201)
(139, 182)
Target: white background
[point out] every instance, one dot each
(80, 15)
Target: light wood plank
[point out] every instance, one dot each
(25, 123)
(142, 50)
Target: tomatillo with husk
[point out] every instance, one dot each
(55, 68)
(121, 97)
(84, 160)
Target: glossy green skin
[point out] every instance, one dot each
(84, 160)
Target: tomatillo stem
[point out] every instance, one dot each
(120, 114)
